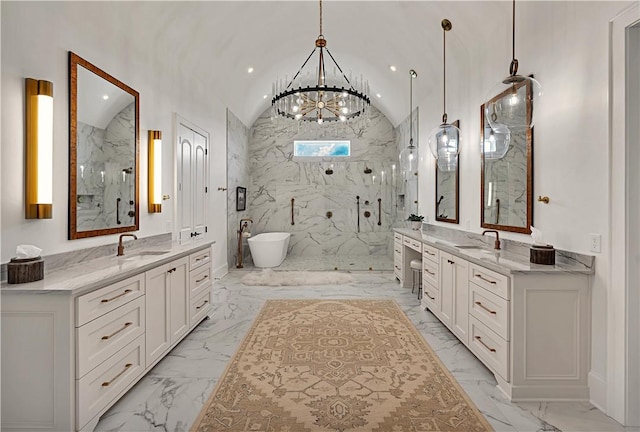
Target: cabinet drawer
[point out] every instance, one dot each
(397, 248)
(199, 258)
(490, 348)
(103, 384)
(397, 237)
(94, 304)
(103, 337)
(200, 280)
(491, 310)
(490, 280)
(431, 297)
(430, 272)
(416, 245)
(430, 253)
(200, 306)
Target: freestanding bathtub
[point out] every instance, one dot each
(269, 249)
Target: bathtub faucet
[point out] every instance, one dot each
(243, 226)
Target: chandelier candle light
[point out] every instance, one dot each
(444, 140)
(504, 113)
(320, 97)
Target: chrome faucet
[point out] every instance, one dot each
(496, 245)
(121, 246)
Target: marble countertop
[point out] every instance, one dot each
(87, 276)
(501, 261)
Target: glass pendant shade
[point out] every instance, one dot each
(409, 161)
(496, 142)
(444, 142)
(508, 101)
(447, 163)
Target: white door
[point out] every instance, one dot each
(460, 323)
(157, 313)
(179, 297)
(447, 282)
(192, 181)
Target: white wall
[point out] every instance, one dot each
(565, 45)
(36, 38)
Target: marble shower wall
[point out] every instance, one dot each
(237, 175)
(277, 177)
(407, 188)
(106, 172)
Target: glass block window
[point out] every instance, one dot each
(317, 148)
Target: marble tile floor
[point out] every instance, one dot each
(170, 397)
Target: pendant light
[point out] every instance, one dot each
(409, 156)
(507, 102)
(444, 140)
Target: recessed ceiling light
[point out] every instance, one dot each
(105, 97)
(265, 96)
(250, 70)
(393, 68)
(378, 95)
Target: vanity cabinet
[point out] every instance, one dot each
(397, 256)
(453, 310)
(528, 324)
(167, 302)
(68, 356)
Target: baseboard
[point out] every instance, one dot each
(598, 391)
(220, 271)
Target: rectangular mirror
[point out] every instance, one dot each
(506, 185)
(103, 152)
(447, 189)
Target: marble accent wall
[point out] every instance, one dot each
(277, 177)
(106, 170)
(237, 175)
(407, 187)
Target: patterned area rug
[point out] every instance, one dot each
(337, 365)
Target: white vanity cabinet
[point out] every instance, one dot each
(167, 302)
(397, 256)
(529, 324)
(69, 354)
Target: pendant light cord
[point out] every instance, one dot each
(411, 72)
(320, 17)
(513, 68)
(444, 76)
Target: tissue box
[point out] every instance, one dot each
(22, 270)
(542, 254)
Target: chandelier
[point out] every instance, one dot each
(322, 96)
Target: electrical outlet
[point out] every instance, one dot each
(595, 241)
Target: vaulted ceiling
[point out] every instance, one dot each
(213, 43)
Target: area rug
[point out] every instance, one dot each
(268, 277)
(336, 365)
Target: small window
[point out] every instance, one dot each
(322, 148)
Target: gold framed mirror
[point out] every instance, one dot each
(506, 184)
(103, 152)
(447, 187)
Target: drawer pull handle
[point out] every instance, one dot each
(398, 251)
(431, 273)
(106, 383)
(127, 291)
(486, 308)
(200, 280)
(107, 337)
(432, 254)
(427, 293)
(171, 270)
(485, 345)
(486, 280)
(202, 258)
(450, 262)
(202, 305)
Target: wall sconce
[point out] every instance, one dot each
(39, 149)
(155, 171)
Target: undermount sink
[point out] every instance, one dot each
(469, 247)
(135, 256)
